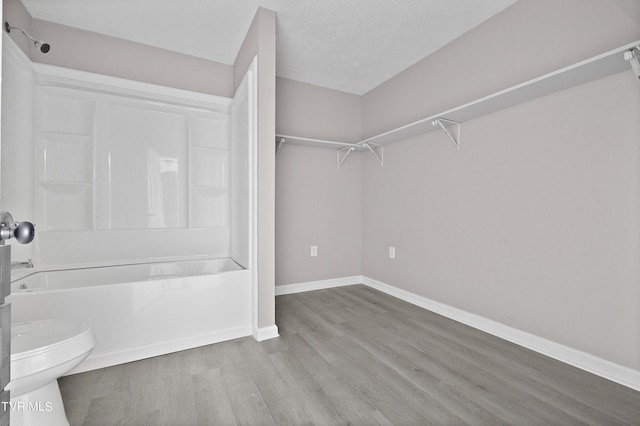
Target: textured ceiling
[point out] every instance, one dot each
(348, 45)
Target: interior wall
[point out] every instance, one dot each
(98, 53)
(315, 112)
(534, 223)
(315, 203)
(526, 40)
(14, 12)
(261, 41)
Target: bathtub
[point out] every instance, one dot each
(144, 310)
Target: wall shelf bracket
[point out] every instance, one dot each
(281, 142)
(343, 153)
(443, 122)
(632, 56)
(376, 150)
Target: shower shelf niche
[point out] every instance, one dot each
(597, 67)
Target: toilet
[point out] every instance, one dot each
(41, 352)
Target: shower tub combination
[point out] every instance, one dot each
(143, 198)
(140, 311)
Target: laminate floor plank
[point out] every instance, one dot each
(305, 360)
(543, 376)
(465, 339)
(212, 399)
(280, 398)
(509, 369)
(350, 356)
(432, 387)
(484, 372)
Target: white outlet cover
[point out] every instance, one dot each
(392, 252)
(314, 251)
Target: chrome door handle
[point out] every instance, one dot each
(23, 232)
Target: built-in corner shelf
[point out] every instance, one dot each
(600, 66)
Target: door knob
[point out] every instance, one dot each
(23, 232)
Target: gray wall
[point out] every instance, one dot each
(14, 12)
(534, 223)
(316, 112)
(93, 52)
(315, 203)
(526, 40)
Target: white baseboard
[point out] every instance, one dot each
(265, 333)
(317, 285)
(607, 369)
(157, 349)
(598, 366)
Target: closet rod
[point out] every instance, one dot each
(343, 149)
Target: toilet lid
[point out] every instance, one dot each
(35, 336)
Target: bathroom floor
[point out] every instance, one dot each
(350, 355)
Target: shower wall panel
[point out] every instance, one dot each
(64, 160)
(116, 157)
(17, 165)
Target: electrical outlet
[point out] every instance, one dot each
(314, 251)
(392, 252)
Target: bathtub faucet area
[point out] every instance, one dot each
(18, 265)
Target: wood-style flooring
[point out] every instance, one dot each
(350, 355)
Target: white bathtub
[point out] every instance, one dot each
(145, 310)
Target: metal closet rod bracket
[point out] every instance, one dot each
(281, 142)
(632, 56)
(441, 122)
(372, 147)
(343, 153)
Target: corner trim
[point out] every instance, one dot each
(265, 333)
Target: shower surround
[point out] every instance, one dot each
(116, 172)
